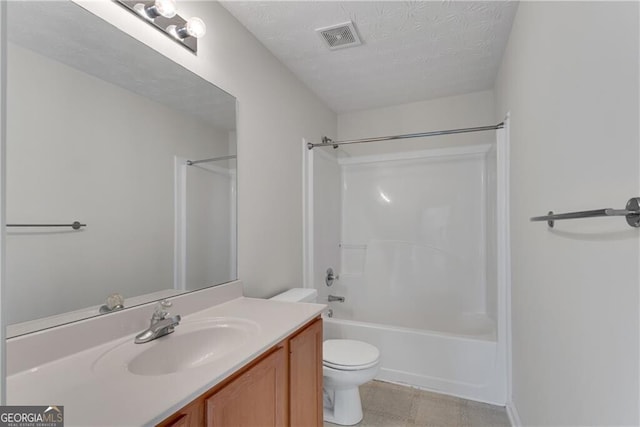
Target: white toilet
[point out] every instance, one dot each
(347, 364)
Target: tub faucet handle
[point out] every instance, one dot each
(330, 277)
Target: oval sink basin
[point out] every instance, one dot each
(192, 345)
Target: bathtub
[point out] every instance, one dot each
(461, 363)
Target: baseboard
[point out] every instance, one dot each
(484, 393)
(512, 412)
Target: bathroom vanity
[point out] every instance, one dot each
(281, 387)
(232, 360)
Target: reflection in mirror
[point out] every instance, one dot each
(103, 130)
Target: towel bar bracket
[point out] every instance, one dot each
(550, 222)
(633, 219)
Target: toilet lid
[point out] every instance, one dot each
(349, 354)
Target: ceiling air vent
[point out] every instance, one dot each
(340, 36)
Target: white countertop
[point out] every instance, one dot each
(119, 398)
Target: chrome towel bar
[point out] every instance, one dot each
(75, 225)
(631, 212)
(213, 159)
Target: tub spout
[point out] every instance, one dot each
(333, 298)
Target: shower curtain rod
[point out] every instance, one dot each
(213, 159)
(327, 142)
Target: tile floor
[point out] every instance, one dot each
(390, 405)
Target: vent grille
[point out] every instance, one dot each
(340, 36)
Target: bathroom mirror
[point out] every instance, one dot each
(104, 131)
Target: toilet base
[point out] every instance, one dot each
(347, 407)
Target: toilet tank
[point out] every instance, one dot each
(297, 295)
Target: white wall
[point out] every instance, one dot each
(470, 110)
(3, 111)
(275, 111)
(570, 79)
(109, 166)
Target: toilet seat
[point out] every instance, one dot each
(349, 355)
(349, 367)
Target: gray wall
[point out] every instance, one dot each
(570, 79)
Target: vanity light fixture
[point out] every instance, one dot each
(163, 15)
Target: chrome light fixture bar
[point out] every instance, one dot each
(162, 14)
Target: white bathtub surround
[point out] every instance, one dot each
(413, 247)
(322, 210)
(419, 259)
(95, 395)
(447, 363)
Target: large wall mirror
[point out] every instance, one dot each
(105, 131)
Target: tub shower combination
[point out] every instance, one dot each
(412, 237)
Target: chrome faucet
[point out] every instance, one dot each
(333, 298)
(161, 323)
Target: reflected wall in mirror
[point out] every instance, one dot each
(100, 130)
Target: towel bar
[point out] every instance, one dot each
(631, 213)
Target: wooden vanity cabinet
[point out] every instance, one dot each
(305, 376)
(191, 415)
(258, 397)
(283, 387)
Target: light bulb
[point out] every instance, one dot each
(165, 8)
(195, 27)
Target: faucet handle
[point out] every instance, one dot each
(160, 311)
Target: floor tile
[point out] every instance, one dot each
(392, 405)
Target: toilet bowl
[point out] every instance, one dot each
(347, 364)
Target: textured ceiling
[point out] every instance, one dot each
(412, 51)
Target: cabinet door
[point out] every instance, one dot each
(191, 415)
(305, 377)
(258, 397)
